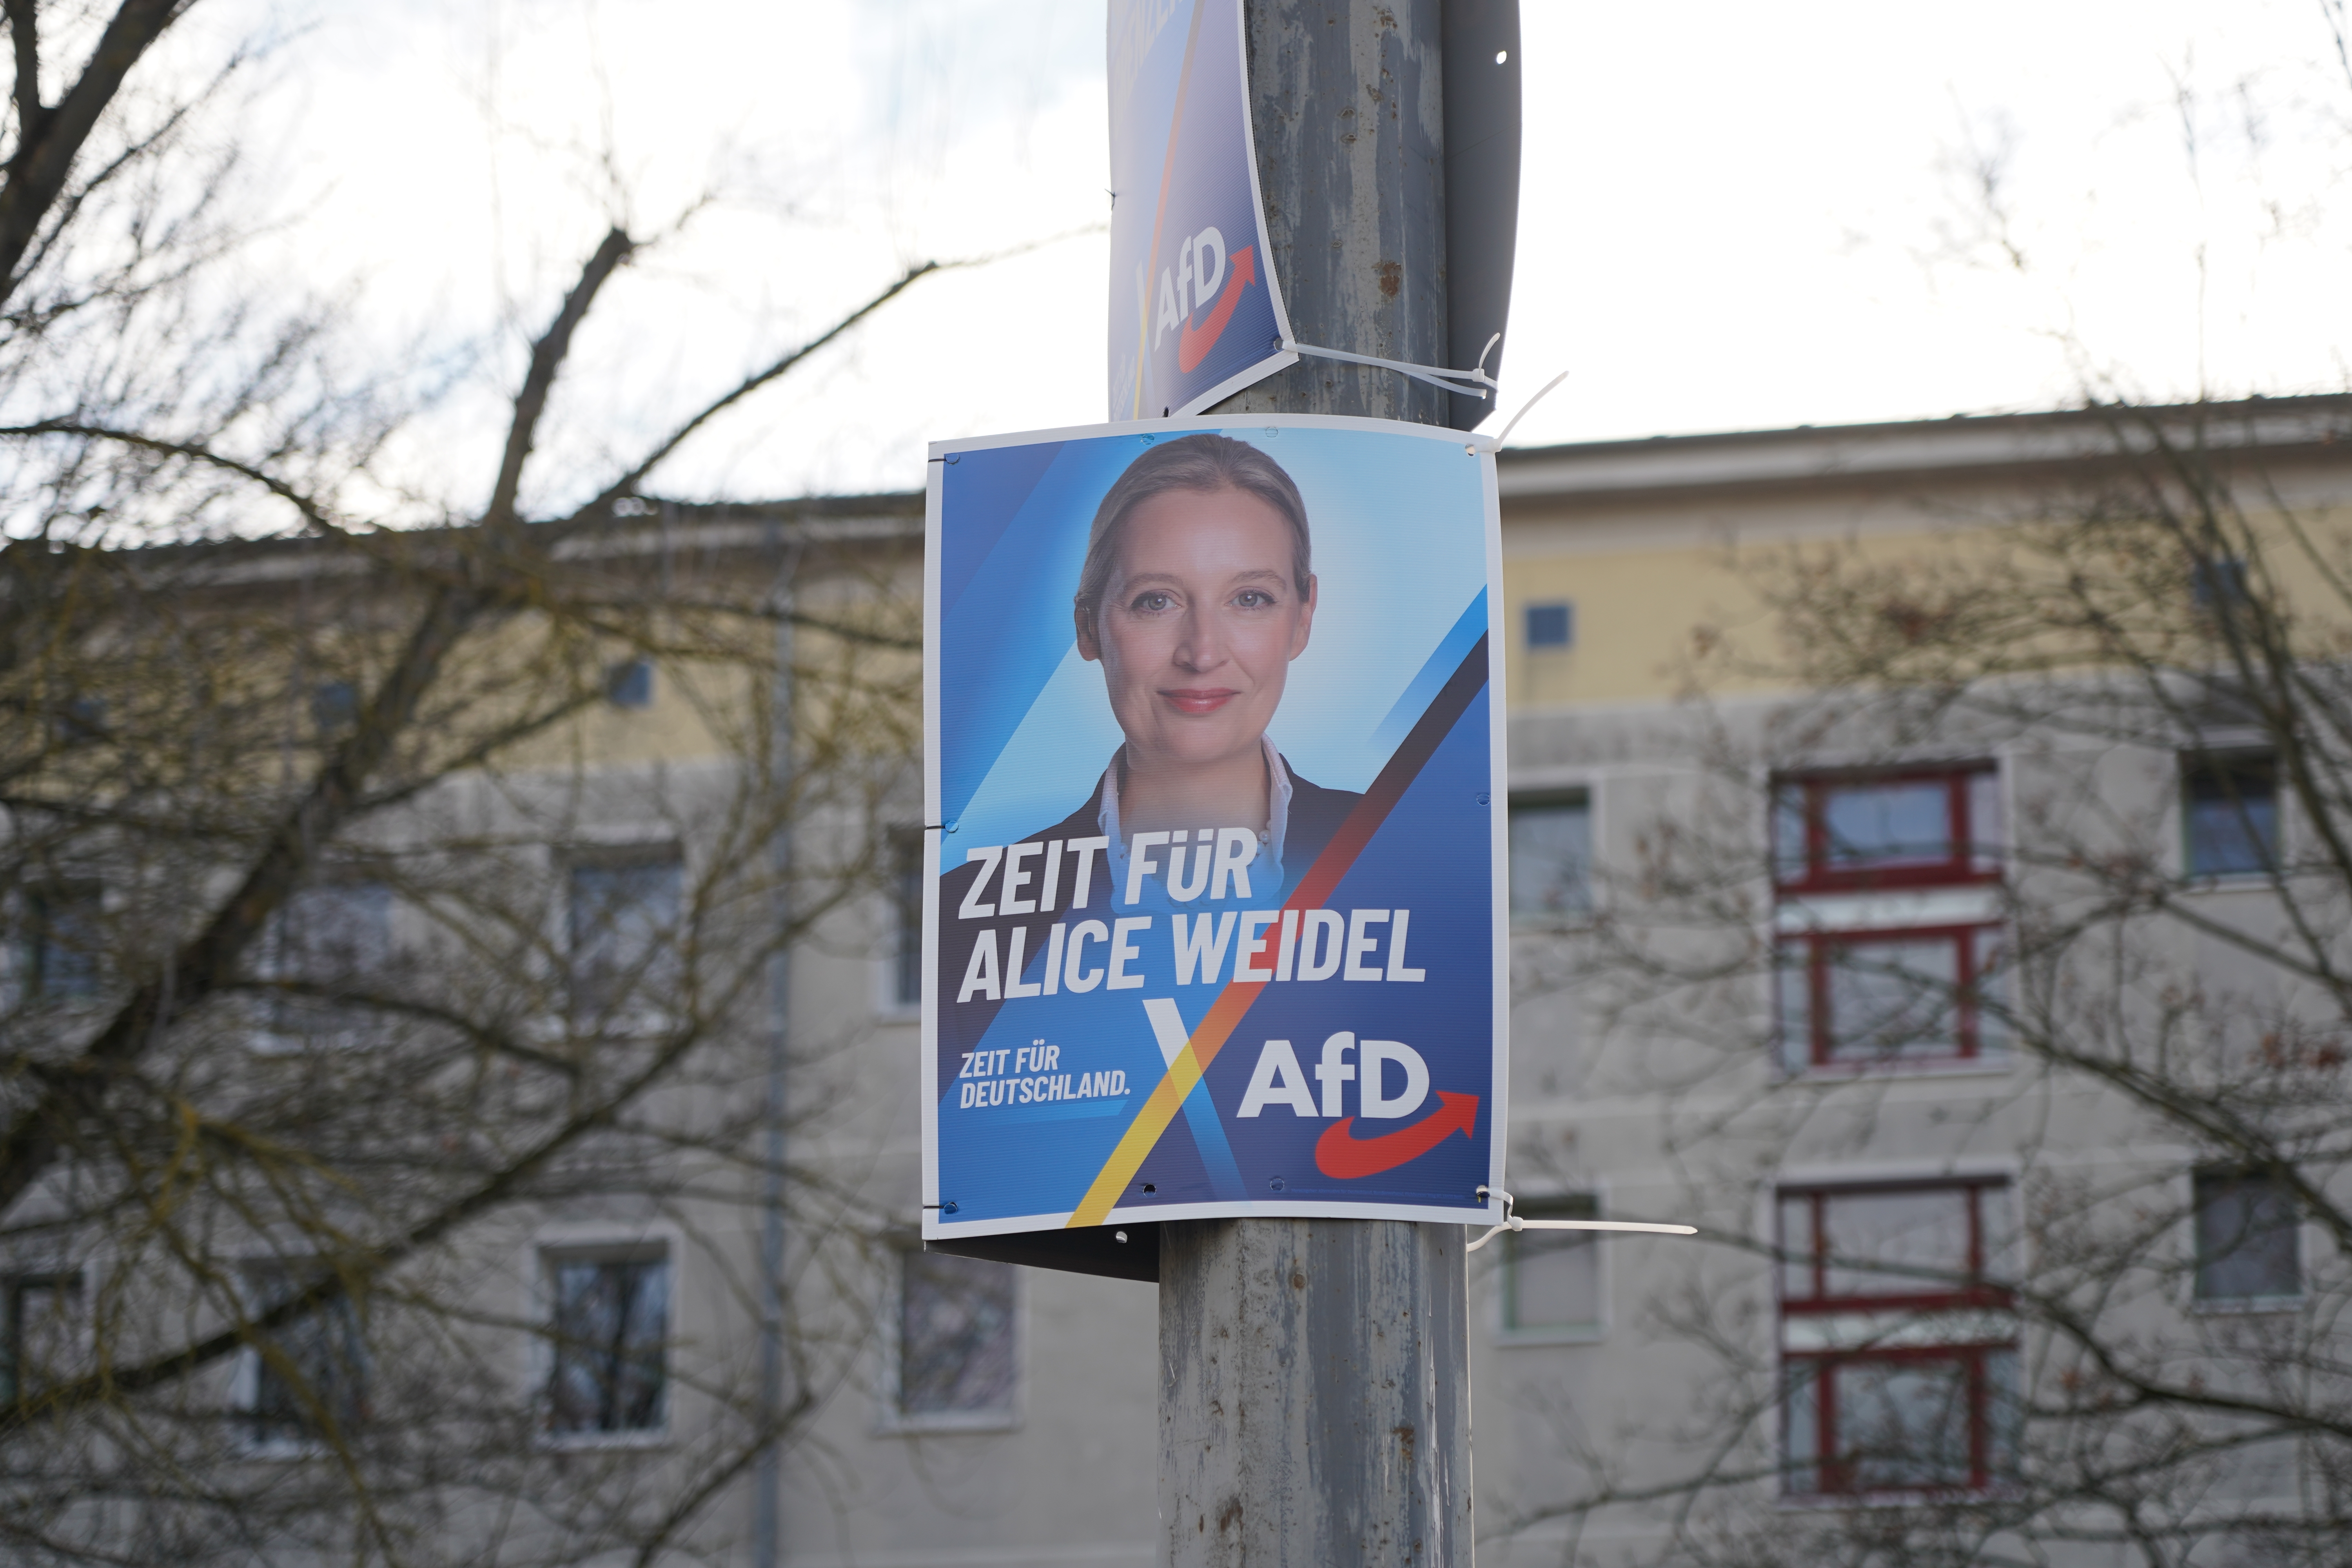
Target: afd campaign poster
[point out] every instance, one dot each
(1214, 921)
(1195, 312)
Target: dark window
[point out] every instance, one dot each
(907, 916)
(38, 1332)
(2217, 584)
(1932, 1419)
(2245, 1237)
(309, 1373)
(1552, 625)
(1908, 829)
(334, 706)
(1898, 1342)
(1887, 995)
(630, 683)
(1929, 1244)
(329, 942)
(1551, 855)
(957, 1352)
(79, 721)
(1551, 1279)
(611, 1331)
(336, 930)
(65, 942)
(623, 918)
(2229, 812)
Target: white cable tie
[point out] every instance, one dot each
(1531, 402)
(1512, 1222)
(1462, 383)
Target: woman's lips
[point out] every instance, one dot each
(1199, 701)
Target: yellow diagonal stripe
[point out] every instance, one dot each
(1224, 1016)
(1166, 1097)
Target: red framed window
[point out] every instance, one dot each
(1898, 1341)
(1889, 914)
(1908, 828)
(1903, 994)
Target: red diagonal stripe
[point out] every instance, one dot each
(1226, 1014)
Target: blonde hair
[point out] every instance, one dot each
(1205, 464)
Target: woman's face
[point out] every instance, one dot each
(1198, 626)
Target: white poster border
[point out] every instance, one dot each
(936, 1226)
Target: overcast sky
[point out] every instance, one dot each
(1733, 216)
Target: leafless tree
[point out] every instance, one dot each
(380, 896)
(2125, 701)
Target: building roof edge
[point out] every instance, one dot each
(1991, 446)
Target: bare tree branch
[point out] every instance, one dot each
(49, 141)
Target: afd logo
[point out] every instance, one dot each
(1197, 296)
(1278, 1080)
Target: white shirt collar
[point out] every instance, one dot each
(1277, 816)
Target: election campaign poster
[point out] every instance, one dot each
(1214, 919)
(1195, 312)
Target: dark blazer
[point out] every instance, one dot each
(1315, 813)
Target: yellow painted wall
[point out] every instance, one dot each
(1634, 614)
(1644, 582)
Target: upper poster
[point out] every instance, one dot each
(1195, 312)
(1213, 923)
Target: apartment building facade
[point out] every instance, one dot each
(1969, 988)
(1938, 839)
(1786, 967)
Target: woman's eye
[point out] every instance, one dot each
(1149, 604)
(1253, 598)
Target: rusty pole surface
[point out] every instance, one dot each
(1314, 1395)
(1347, 104)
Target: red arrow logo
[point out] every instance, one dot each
(1336, 1154)
(1195, 341)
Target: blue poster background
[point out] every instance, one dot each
(1189, 322)
(1401, 529)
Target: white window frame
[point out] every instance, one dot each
(888, 1007)
(2241, 1306)
(266, 1040)
(1538, 796)
(890, 1420)
(83, 1329)
(2222, 747)
(1561, 781)
(245, 1381)
(643, 843)
(16, 954)
(1498, 1316)
(590, 1242)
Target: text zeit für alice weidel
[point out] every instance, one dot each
(1270, 945)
